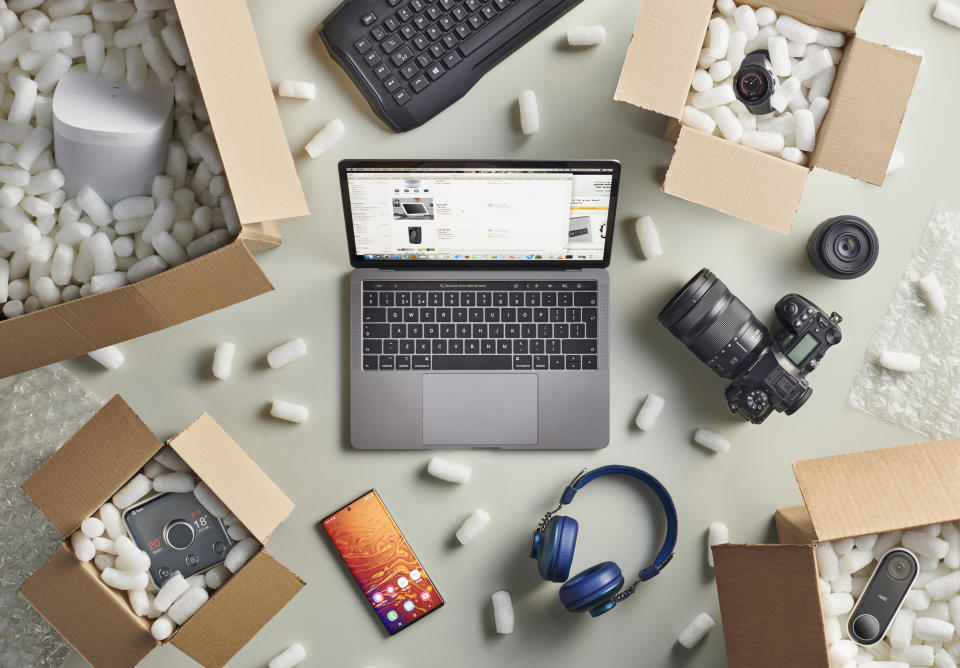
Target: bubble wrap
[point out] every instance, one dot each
(37, 415)
(925, 400)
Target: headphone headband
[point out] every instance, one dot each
(670, 540)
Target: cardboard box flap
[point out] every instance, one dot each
(216, 280)
(663, 54)
(740, 181)
(881, 490)
(242, 109)
(258, 237)
(93, 464)
(841, 15)
(794, 526)
(770, 604)
(95, 619)
(233, 476)
(237, 611)
(867, 105)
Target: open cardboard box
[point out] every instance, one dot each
(857, 137)
(264, 184)
(769, 594)
(96, 619)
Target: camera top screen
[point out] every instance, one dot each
(802, 348)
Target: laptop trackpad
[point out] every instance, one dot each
(479, 409)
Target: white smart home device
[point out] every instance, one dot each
(109, 135)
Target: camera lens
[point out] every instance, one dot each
(866, 627)
(899, 567)
(179, 535)
(715, 325)
(843, 247)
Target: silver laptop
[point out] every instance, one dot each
(492, 330)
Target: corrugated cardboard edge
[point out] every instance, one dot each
(95, 619)
(242, 109)
(662, 55)
(881, 490)
(770, 603)
(238, 611)
(214, 281)
(258, 237)
(91, 466)
(736, 180)
(841, 15)
(867, 105)
(794, 526)
(233, 476)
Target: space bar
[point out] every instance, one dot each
(493, 27)
(467, 362)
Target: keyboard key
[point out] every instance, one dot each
(488, 346)
(447, 4)
(369, 298)
(512, 331)
(470, 362)
(369, 18)
(585, 299)
(409, 71)
(578, 331)
(475, 21)
(571, 346)
(450, 40)
(421, 21)
(415, 331)
(434, 32)
(488, 12)
(521, 346)
(524, 315)
(491, 314)
(418, 5)
(374, 315)
(448, 331)
(435, 299)
(372, 331)
(479, 331)
(421, 362)
(439, 347)
(391, 44)
(455, 346)
(402, 362)
(398, 331)
(386, 299)
(386, 363)
(516, 299)
(363, 45)
(459, 315)
(406, 347)
(468, 299)
(532, 299)
(500, 298)
(437, 51)
(556, 315)
(463, 331)
(589, 361)
(501, 4)
(434, 13)
(404, 14)
(572, 314)
(508, 314)
(504, 346)
(424, 59)
(522, 362)
(423, 347)
(541, 362)
(590, 318)
(556, 362)
(401, 97)
(421, 42)
(475, 314)
(496, 331)
(484, 299)
(541, 315)
(564, 299)
(561, 330)
(419, 83)
(472, 5)
(451, 299)
(553, 347)
(411, 315)
(372, 58)
(528, 331)
(379, 33)
(370, 362)
(403, 299)
(402, 56)
(391, 23)
(372, 347)
(408, 31)
(471, 347)
(445, 23)
(537, 346)
(391, 346)
(451, 59)
(549, 298)
(431, 330)
(443, 315)
(463, 30)
(544, 331)
(460, 13)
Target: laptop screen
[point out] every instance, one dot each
(458, 212)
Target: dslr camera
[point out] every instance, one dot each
(768, 371)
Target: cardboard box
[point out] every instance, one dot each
(769, 595)
(265, 187)
(96, 619)
(856, 138)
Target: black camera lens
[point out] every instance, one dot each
(179, 535)
(843, 247)
(715, 325)
(899, 567)
(866, 627)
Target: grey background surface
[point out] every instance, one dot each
(167, 375)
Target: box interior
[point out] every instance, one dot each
(770, 603)
(84, 473)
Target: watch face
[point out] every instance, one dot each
(753, 84)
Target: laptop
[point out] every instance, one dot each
(492, 329)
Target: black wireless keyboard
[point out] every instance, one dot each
(412, 59)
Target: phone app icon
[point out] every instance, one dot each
(392, 616)
(408, 606)
(425, 596)
(391, 589)
(403, 582)
(377, 597)
(415, 575)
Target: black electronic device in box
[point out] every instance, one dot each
(178, 533)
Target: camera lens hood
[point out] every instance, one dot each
(843, 247)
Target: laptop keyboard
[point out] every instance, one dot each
(488, 325)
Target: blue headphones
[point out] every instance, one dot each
(596, 589)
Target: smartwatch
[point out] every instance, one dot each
(754, 83)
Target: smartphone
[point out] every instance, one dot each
(381, 561)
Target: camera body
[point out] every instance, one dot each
(178, 533)
(768, 372)
(883, 596)
(777, 379)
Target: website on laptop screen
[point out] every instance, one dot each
(479, 214)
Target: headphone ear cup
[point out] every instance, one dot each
(557, 547)
(594, 589)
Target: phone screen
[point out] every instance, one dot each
(381, 561)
